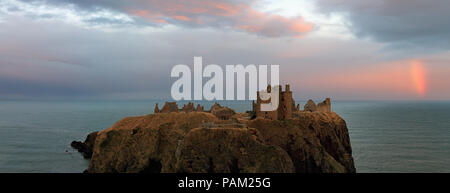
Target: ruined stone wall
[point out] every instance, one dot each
(173, 107)
(220, 112)
(324, 106)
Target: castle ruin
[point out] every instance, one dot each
(286, 106)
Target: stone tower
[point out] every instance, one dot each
(286, 103)
(285, 109)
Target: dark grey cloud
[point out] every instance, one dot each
(403, 23)
(49, 58)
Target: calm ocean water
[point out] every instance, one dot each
(385, 136)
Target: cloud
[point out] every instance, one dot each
(222, 14)
(62, 60)
(43, 58)
(401, 23)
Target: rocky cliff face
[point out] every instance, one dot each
(224, 150)
(311, 142)
(317, 142)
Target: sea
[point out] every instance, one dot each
(386, 136)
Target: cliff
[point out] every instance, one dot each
(310, 142)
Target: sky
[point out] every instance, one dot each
(125, 49)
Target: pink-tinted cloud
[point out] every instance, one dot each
(239, 15)
(181, 17)
(221, 14)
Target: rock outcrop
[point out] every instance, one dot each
(86, 147)
(310, 142)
